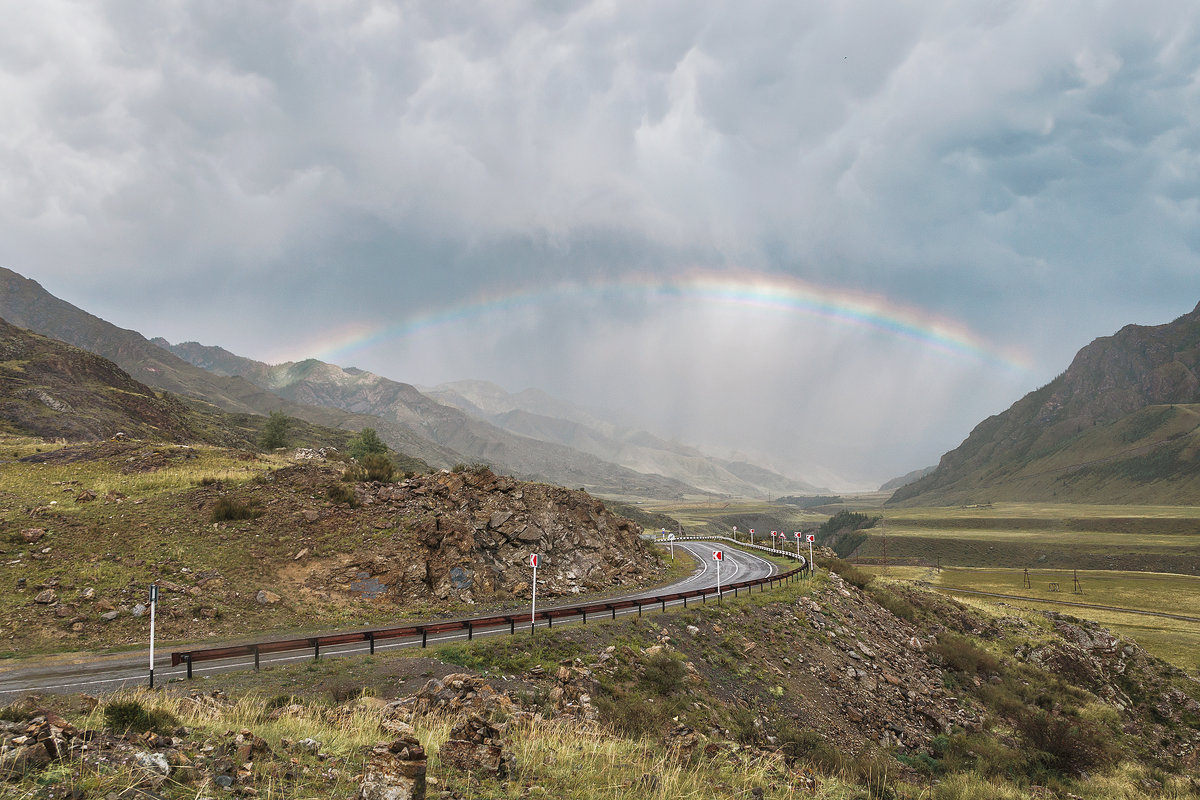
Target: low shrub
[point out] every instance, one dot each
(341, 493)
(663, 674)
(228, 509)
(961, 655)
(809, 747)
(130, 715)
(850, 573)
(894, 603)
(1067, 744)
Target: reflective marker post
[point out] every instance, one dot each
(797, 535)
(717, 556)
(811, 538)
(671, 539)
(533, 562)
(153, 606)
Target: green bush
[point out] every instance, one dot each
(1067, 744)
(341, 493)
(664, 674)
(275, 433)
(635, 715)
(130, 715)
(228, 509)
(850, 573)
(366, 442)
(809, 747)
(961, 655)
(371, 467)
(894, 603)
(378, 468)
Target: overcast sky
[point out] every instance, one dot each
(282, 178)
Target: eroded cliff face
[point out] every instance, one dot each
(466, 537)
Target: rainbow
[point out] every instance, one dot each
(746, 290)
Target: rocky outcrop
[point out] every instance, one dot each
(394, 771)
(466, 536)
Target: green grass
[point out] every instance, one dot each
(1144, 538)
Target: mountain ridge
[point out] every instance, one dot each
(1078, 436)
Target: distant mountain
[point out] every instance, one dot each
(905, 479)
(25, 303)
(317, 383)
(1121, 425)
(535, 414)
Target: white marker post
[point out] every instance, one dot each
(533, 562)
(735, 531)
(153, 606)
(717, 557)
(671, 539)
(752, 536)
(811, 538)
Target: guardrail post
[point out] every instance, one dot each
(470, 631)
(584, 616)
(614, 611)
(664, 605)
(424, 637)
(187, 657)
(639, 605)
(371, 640)
(549, 622)
(316, 643)
(512, 625)
(685, 601)
(256, 658)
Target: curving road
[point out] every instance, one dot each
(100, 674)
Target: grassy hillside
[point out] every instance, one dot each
(85, 528)
(1151, 456)
(1119, 425)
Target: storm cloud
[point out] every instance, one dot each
(260, 174)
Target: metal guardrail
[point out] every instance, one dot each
(315, 643)
(775, 551)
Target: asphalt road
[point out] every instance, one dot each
(101, 674)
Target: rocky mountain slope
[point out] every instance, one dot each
(1122, 424)
(25, 303)
(52, 390)
(318, 383)
(536, 414)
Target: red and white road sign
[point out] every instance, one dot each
(797, 535)
(718, 555)
(811, 537)
(752, 530)
(533, 559)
